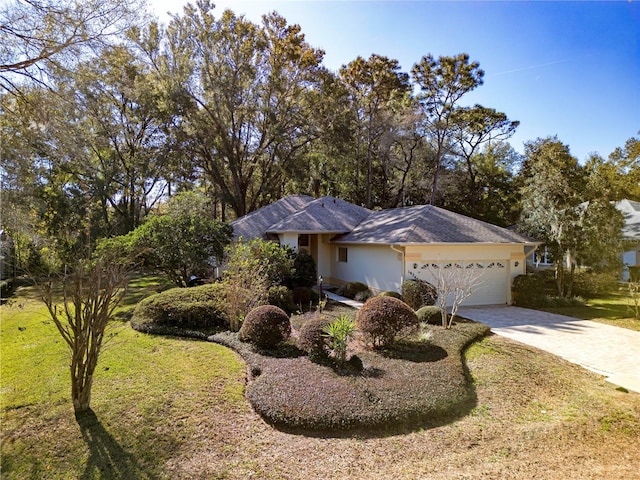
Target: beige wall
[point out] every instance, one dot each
(376, 265)
(382, 268)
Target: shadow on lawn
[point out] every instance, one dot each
(105, 453)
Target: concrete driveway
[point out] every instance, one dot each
(610, 351)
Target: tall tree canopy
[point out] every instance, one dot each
(561, 207)
(246, 119)
(37, 36)
(443, 82)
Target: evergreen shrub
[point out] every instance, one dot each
(418, 293)
(266, 326)
(196, 307)
(381, 319)
(430, 314)
(282, 297)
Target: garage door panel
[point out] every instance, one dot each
(494, 278)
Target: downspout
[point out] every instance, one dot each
(402, 264)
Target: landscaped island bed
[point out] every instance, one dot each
(411, 385)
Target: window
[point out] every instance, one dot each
(303, 240)
(342, 254)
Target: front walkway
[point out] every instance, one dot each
(610, 351)
(607, 350)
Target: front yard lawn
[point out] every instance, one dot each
(614, 309)
(172, 408)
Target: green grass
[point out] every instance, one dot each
(147, 395)
(613, 309)
(169, 407)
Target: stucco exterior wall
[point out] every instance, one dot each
(375, 265)
(382, 268)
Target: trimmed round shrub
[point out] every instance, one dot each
(196, 307)
(351, 289)
(431, 314)
(381, 319)
(266, 326)
(418, 293)
(390, 293)
(282, 297)
(312, 338)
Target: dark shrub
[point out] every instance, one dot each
(266, 326)
(197, 307)
(304, 296)
(528, 289)
(363, 296)
(6, 288)
(382, 318)
(430, 314)
(281, 297)
(418, 293)
(351, 289)
(391, 293)
(594, 284)
(304, 270)
(634, 274)
(312, 339)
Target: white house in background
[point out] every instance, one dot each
(631, 234)
(383, 248)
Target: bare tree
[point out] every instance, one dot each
(90, 294)
(455, 282)
(39, 35)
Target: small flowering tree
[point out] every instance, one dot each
(455, 282)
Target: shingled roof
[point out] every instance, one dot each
(427, 224)
(257, 223)
(324, 215)
(631, 212)
(353, 224)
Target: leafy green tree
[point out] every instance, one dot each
(620, 173)
(124, 130)
(180, 243)
(443, 82)
(475, 127)
(495, 198)
(376, 88)
(243, 90)
(574, 219)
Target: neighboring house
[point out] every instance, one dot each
(631, 235)
(383, 248)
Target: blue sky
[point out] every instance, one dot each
(570, 69)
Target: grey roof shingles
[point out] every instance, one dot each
(255, 224)
(410, 225)
(324, 215)
(427, 224)
(631, 212)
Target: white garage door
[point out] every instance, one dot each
(493, 278)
